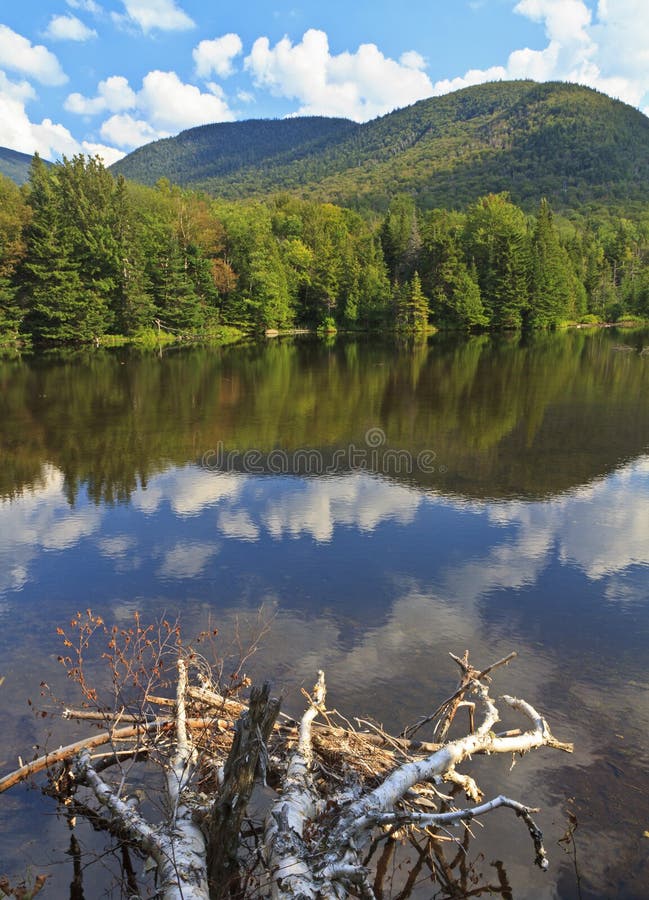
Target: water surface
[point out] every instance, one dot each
(399, 502)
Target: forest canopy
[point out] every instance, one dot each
(84, 254)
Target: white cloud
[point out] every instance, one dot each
(171, 105)
(317, 507)
(49, 139)
(116, 547)
(152, 15)
(163, 106)
(20, 55)
(86, 5)
(473, 76)
(109, 155)
(68, 28)
(622, 36)
(358, 85)
(217, 56)
(601, 529)
(18, 132)
(565, 21)
(21, 91)
(187, 560)
(113, 95)
(412, 60)
(40, 518)
(609, 53)
(237, 524)
(188, 490)
(126, 131)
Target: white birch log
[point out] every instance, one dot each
(290, 872)
(178, 846)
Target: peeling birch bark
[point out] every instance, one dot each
(338, 791)
(290, 872)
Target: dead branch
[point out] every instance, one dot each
(247, 756)
(339, 793)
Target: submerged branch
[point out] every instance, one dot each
(339, 793)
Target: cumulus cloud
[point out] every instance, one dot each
(238, 525)
(412, 60)
(152, 15)
(109, 155)
(216, 57)
(609, 52)
(163, 106)
(601, 529)
(113, 95)
(186, 560)
(116, 547)
(68, 28)
(188, 491)
(40, 519)
(35, 61)
(621, 33)
(316, 508)
(358, 85)
(173, 105)
(19, 91)
(19, 133)
(126, 131)
(48, 138)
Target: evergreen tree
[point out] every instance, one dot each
(14, 215)
(550, 283)
(497, 243)
(453, 289)
(411, 306)
(51, 284)
(417, 305)
(401, 239)
(132, 302)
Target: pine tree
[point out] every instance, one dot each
(453, 289)
(497, 243)
(13, 219)
(550, 287)
(417, 305)
(132, 302)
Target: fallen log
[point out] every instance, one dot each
(337, 794)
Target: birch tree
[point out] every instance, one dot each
(332, 800)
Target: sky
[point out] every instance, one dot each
(106, 76)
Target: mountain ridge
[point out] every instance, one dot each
(15, 165)
(564, 141)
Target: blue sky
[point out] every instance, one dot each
(105, 76)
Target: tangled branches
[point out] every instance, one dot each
(333, 802)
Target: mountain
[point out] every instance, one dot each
(568, 143)
(212, 152)
(14, 165)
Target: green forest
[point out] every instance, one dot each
(85, 255)
(568, 143)
(489, 405)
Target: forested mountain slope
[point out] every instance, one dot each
(568, 143)
(230, 148)
(14, 165)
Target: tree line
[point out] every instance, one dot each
(84, 254)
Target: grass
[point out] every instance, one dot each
(153, 339)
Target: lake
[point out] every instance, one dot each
(371, 506)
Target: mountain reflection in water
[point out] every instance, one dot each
(527, 528)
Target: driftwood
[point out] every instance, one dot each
(340, 793)
(247, 756)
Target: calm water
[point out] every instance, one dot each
(400, 502)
